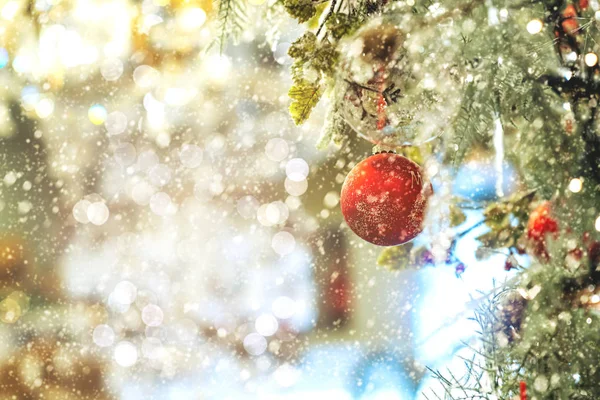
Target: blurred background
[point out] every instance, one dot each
(166, 232)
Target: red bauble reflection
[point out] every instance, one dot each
(383, 199)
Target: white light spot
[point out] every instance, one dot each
(147, 159)
(575, 185)
(44, 108)
(540, 384)
(159, 175)
(255, 344)
(145, 76)
(111, 69)
(152, 315)
(24, 207)
(295, 188)
(80, 211)
(296, 169)
(116, 123)
(152, 348)
(591, 59)
(261, 215)
(103, 335)
(293, 202)
(247, 206)
(125, 154)
(535, 26)
(10, 178)
(283, 307)
(266, 325)
(160, 203)
(9, 10)
(190, 155)
(276, 213)
(277, 149)
(142, 192)
(286, 375)
(97, 213)
(283, 243)
(125, 354)
(331, 199)
(125, 292)
(191, 18)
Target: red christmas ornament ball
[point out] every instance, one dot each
(540, 225)
(383, 199)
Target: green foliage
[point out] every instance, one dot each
(471, 124)
(457, 216)
(507, 221)
(232, 20)
(395, 257)
(335, 129)
(523, 82)
(305, 97)
(340, 25)
(302, 10)
(312, 61)
(489, 371)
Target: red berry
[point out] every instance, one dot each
(384, 198)
(569, 23)
(540, 225)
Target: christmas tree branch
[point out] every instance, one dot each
(580, 86)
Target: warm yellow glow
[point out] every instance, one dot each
(191, 18)
(9, 10)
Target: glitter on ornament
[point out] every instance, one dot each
(383, 199)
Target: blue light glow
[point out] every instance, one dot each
(3, 57)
